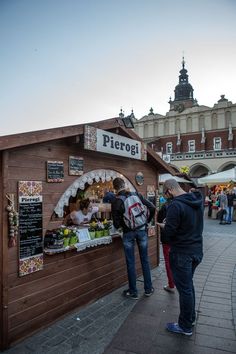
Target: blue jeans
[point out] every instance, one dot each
(230, 212)
(129, 238)
(183, 267)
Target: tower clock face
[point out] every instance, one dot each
(179, 107)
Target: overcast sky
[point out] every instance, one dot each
(66, 62)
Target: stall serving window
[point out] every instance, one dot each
(85, 213)
(91, 184)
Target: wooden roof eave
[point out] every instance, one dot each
(39, 136)
(24, 139)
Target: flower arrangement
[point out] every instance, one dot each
(92, 229)
(99, 228)
(107, 225)
(68, 234)
(184, 169)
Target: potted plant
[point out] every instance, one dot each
(107, 226)
(73, 237)
(92, 229)
(66, 237)
(99, 230)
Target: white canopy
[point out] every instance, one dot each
(165, 176)
(219, 178)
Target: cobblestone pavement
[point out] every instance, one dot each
(115, 325)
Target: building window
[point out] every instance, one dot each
(214, 123)
(201, 123)
(177, 126)
(169, 147)
(217, 144)
(156, 130)
(191, 146)
(227, 118)
(189, 125)
(166, 127)
(145, 130)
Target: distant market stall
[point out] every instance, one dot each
(217, 182)
(165, 176)
(225, 177)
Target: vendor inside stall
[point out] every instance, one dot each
(89, 204)
(84, 214)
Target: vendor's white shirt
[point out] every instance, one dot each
(78, 217)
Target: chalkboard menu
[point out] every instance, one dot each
(76, 166)
(30, 227)
(55, 171)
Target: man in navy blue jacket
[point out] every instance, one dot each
(183, 228)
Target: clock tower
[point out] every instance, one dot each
(183, 93)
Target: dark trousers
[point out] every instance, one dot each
(183, 267)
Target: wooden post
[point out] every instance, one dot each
(4, 252)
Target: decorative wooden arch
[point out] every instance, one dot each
(89, 177)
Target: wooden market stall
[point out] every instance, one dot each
(43, 173)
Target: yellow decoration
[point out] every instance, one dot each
(184, 169)
(66, 232)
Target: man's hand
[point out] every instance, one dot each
(161, 224)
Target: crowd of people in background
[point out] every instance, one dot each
(224, 202)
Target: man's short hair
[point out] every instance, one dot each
(170, 184)
(118, 183)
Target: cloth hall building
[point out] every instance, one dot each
(197, 138)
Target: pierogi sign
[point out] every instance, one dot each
(110, 143)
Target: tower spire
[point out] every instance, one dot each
(183, 61)
(183, 91)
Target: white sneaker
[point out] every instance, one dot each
(167, 288)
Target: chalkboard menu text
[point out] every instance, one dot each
(55, 171)
(30, 227)
(76, 166)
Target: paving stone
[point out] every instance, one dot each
(19, 349)
(215, 331)
(213, 289)
(215, 322)
(216, 313)
(217, 294)
(62, 349)
(215, 306)
(56, 341)
(216, 300)
(117, 351)
(219, 285)
(176, 343)
(215, 342)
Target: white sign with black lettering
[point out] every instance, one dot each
(110, 143)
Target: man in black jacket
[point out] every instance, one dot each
(129, 237)
(183, 227)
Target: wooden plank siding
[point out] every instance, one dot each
(1, 248)
(72, 279)
(4, 251)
